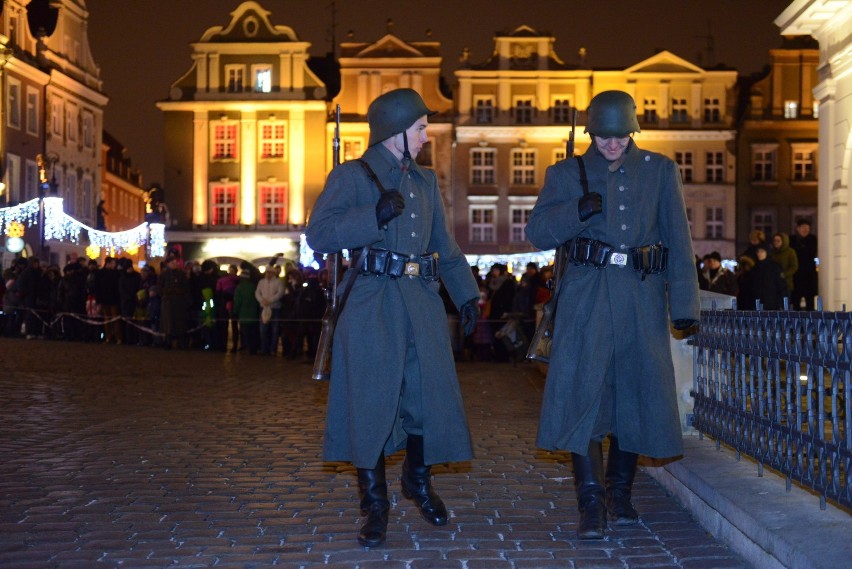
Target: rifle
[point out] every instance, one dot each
(542, 339)
(322, 361)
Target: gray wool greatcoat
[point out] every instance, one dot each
(382, 315)
(610, 321)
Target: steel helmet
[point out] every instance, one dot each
(612, 113)
(394, 112)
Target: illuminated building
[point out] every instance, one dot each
(121, 192)
(244, 133)
(829, 22)
(514, 118)
(777, 144)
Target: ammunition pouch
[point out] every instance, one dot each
(381, 262)
(650, 259)
(590, 253)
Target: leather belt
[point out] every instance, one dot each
(647, 259)
(380, 262)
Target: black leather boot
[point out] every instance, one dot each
(374, 504)
(417, 483)
(589, 482)
(620, 471)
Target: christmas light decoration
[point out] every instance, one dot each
(59, 226)
(25, 213)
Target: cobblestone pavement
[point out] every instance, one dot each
(116, 456)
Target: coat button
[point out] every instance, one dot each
(620, 188)
(411, 195)
(623, 227)
(413, 234)
(621, 207)
(413, 215)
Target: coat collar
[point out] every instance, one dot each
(629, 160)
(383, 162)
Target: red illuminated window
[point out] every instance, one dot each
(273, 204)
(273, 139)
(225, 204)
(225, 140)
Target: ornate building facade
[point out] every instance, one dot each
(778, 146)
(244, 141)
(830, 22)
(514, 118)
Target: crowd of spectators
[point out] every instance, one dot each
(767, 272)
(181, 304)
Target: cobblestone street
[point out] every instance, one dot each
(116, 456)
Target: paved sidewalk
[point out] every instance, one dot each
(116, 456)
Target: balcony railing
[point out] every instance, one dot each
(776, 387)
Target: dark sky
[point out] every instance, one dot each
(142, 46)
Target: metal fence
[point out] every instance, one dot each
(775, 386)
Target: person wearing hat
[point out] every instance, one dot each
(392, 388)
(719, 279)
(631, 273)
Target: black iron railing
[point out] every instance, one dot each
(776, 387)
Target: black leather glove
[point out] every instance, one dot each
(590, 204)
(469, 313)
(684, 324)
(390, 206)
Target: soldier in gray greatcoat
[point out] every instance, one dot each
(631, 270)
(393, 378)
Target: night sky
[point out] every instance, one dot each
(142, 46)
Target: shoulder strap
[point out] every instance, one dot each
(583, 180)
(372, 175)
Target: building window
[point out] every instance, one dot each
(33, 126)
(715, 167)
(262, 78)
(763, 160)
(804, 162)
(273, 139)
(483, 228)
(30, 190)
(88, 130)
(483, 110)
(714, 223)
(235, 78)
(225, 140)
(12, 178)
(685, 163)
(763, 220)
(712, 110)
(523, 167)
(523, 110)
(273, 203)
(56, 113)
(562, 111)
(791, 109)
(13, 102)
(71, 122)
(352, 148)
(649, 115)
(483, 163)
(519, 216)
(225, 204)
(69, 193)
(680, 111)
(559, 154)
(87, 205)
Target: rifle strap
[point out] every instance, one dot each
(362, 254)
(584, 181)
(372, 175)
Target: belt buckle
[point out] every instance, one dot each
(412, 269)
(619, 259)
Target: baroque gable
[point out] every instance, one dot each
(249, 23)
(664, 62)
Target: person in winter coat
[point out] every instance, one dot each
(268, 293)
(611, 371)
(766, 282)
(786, 258)
(718, 278)
(173, 287)
(805, 282)
(247, 311)
(392, 388)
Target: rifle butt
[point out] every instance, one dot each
(322, 361)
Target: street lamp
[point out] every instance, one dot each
(45, 161)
